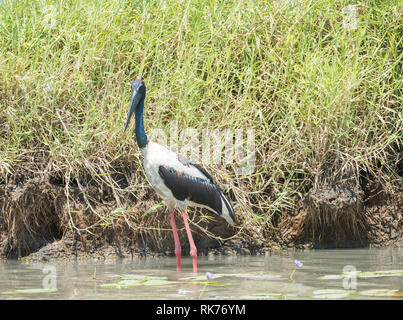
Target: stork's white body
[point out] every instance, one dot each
(156, 155)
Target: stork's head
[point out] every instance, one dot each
(138, 94)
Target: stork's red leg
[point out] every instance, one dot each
(193, 250)
(177, 242)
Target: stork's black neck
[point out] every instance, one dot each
(140, 134)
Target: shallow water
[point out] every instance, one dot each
(368, 274)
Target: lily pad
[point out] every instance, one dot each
(377, 292)
(23, 291)
(249, 276)
(332, 277)
(364, 274)
(210, 283)
(140, 277)
(158, 282)
(202, 277)
(138, 282)
(266, 296)
(396, 294)
(330, 294)
(385, 273)
(122, 284)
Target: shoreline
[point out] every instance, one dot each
(379, 223)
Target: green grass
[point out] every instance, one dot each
(324, 101)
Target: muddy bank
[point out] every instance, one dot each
(43, 218)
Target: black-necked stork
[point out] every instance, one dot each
(178, 181)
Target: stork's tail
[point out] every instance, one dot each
(227, 211)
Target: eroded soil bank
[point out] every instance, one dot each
(42, 218)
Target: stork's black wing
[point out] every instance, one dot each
(189, 163)
(197, 190)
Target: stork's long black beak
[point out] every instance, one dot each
(134, 102)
